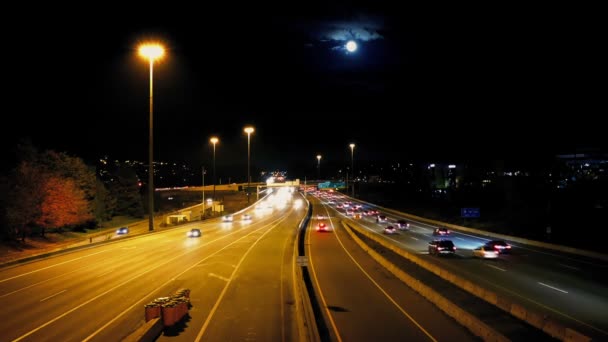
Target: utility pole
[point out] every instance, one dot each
(203, 192)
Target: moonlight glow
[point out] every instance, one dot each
(351, 46)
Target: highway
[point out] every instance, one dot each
(362, 301)
(241, 277)
(570, 288)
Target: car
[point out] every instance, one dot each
(403, 225)
(122, 230)
(322, 227)
(381, 218)
(499, 246)
(246, 217)
(441, 231)
(485, 252)
(389, 230)
(194, 232)
(227, 218)
(439, 247)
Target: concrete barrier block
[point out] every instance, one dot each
(490, 297)
(518, 311)
(479, 291)
(504, 304)
(535, 319)
(469, 286)
(575, 336)
(554, 329)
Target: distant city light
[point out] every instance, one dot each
(452, 166)
(351, 46)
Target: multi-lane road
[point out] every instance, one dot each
(240, 275)
(361, 300)
(570, 288)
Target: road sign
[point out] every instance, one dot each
(469, 212)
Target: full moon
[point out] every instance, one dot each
(351, 46)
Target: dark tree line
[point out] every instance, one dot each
(53, 191)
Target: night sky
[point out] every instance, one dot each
(466, 83)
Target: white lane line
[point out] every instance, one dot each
(459, 238)
(218, 276)
(128, 248)
(411, 237)
(103, 274)
(51, 296)
(551, 287)
(568, 266)
(496, 267)
(405, 313)
(51, 266)
(88, 338)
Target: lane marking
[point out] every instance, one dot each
(552, 287)
(110, 271)
(496, 267)
(219, 277)
(568, 266)
(51, 296)
(51, 266)
(129, 280)
(169, 281)
(383, 291)
(411, 237)
(225, 289)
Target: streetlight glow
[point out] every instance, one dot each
(352, 166)
(248, 130)
(319, 164)
(214, 140)
(151, 51)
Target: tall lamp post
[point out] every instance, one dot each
(319, 166)
(152, 52)
(352, 166)
(248, 130)
(214, 140)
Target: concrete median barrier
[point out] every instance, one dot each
(547, 324)
(546, 245)
(469, 321)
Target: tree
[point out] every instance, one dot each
(24, 198)
(125, 189)
(65, 166)
(105, 203)
(64, 204)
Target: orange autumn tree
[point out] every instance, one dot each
(63, 204)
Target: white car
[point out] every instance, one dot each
(227, 218)
(246, 217)
(194, 232)
(485, 252)
(390, 230)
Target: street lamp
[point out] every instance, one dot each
(319, 165)
(248, 130)
(152, 52)
(352, 166)
(214, 140)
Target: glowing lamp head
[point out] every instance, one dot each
(352, 146)
(249, 130)
(319, 157)
(351, 46)
(151, 51)
(214, 140)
